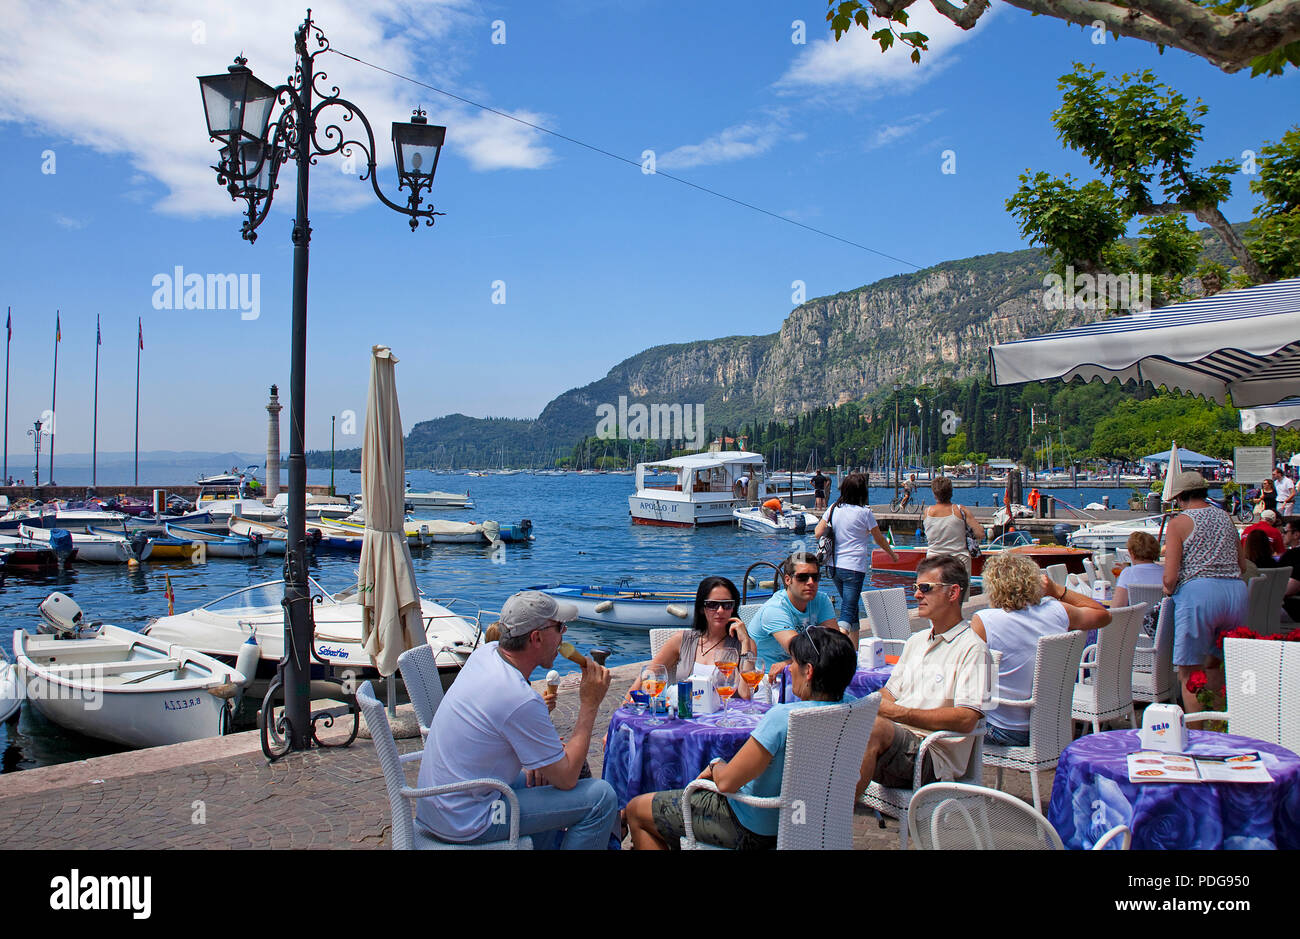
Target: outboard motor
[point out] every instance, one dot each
(139, 541)
(62, 546)
(63, 619)
(800, 523)
(1062, 533)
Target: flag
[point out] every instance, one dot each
(140, 322)
(99, 340)
(58, 333)
(9, 325)
(170, 595)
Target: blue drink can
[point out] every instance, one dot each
(684, 700)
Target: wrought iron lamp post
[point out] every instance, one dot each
(35, 432)
(253, 147)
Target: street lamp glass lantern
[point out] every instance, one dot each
(416, 146)
(237, 104)
(243, 160)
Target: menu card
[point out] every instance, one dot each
(1238, 766)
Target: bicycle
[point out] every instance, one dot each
(901, 503)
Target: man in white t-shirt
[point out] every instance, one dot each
(1285, 492)
(492, 724)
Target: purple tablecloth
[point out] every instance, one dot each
(1092, 794)
(865, 681)
(640, 757)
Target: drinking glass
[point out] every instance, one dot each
(751, 671)
(653, 681)
(725, 683)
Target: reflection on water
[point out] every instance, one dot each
(583, 536)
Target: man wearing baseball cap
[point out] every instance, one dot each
(492, 724)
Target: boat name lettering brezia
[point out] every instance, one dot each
(181, 705)
(103, 892)
(181, 291)
(651, 422)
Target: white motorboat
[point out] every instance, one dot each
(97, 547)
(435, 499)
(221, 627)
(222, 509)
(118, 685)
(1109, 536)
(317, 507)
(48, 517)
(787, 521)
(706, 489)
(11, 689)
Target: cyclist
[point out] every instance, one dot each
(909, 486)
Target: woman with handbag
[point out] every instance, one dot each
(849, 526)
(950, 529)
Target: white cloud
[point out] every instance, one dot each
(72, 224)
(738, 142)
(856, 60)
(888, 133)
(119, 77)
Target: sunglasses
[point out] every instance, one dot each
(926, 588)
(804, 578)
(719, 604)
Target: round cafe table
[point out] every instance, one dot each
(864, 682)
(641, 757)
(1092, 794)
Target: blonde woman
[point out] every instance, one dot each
(1024, 605)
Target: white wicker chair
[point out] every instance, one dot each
(1089, 571)
(748, 611)
(1150, 594)
(658, 637)
(419, 668)
(401, 796)
(1154, 676)
(1263, 691)
(1107, 693)
(823, 754)
(887, 611)
(1057, 573)
(1056, 665)
(951, 816)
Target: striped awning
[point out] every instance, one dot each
(1241, 342)
(1283, 414)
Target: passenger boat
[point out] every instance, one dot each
(93, 547)
(118, 685)
(1015, 541)
(705, 491)
(787, 521)
(625, 608)
(221, 627)
(221, 546)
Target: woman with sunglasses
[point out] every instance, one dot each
(716, 629)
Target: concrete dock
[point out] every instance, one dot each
(221, 794)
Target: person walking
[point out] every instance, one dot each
(849, 565)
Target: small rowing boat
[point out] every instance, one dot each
(221, 546)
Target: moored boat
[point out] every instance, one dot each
(436, 499)
(1016, 542)
(94, 547)
(788, 521)
(626, 608)
(221, 546)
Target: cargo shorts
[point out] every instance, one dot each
(712, 819)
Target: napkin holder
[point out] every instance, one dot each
(704, 697)
(1163, 728)
(1102, 590)
(871, 653)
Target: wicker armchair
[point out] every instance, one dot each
(1056, 665)
(1154, 676)
(954, 817)
(401, 796)
(1107, 693)
(887, 612)
(823, 754)
(1058, 573)
(419, 668)
(1263, 691)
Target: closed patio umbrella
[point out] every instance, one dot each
(1175, 469)
(390, 600)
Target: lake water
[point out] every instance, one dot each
(582, 535)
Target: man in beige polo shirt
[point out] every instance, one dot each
(941, 682)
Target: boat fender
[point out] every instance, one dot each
(678, 611)
(250, 653)
(604, 606)
(767, 584)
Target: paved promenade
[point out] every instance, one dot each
(221, 794)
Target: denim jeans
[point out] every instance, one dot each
(1002, 737)
(848, 583)
(577, 819)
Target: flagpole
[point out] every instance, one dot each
(53, 396)
(138, 346)
(9, 331)
(94, 434)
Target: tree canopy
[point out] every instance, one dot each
(1231, 34)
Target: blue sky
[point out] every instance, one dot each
(599, 260)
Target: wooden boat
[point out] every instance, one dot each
(221, 546)
(1017, 542)
(625, 608)
(97, 548)
(118, 685)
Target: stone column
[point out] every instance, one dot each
(273, 444)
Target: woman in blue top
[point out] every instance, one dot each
(824, 663)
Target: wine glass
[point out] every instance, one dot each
(654, 679)
(724, 682)
(751, 670)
